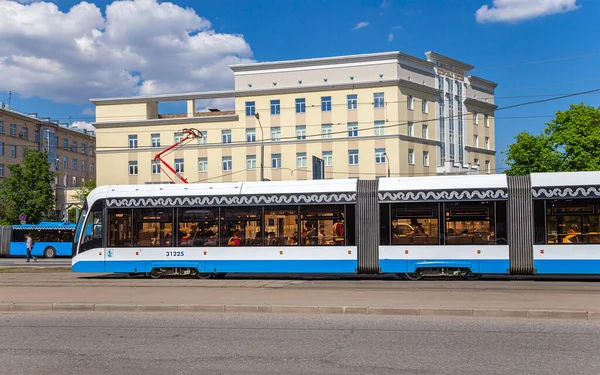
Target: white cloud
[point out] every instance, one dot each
(139, 47)
(83, 125)
(88, 112)
(520, 10)
(360, 25)
(385, 4)
(390, 37)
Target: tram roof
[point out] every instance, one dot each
(448, 182)
(565, 179)
(224, 188)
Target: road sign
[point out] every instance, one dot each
(22, 217)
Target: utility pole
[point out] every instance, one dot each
(262, 149)
(388, 162)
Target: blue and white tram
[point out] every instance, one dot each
(547, 223)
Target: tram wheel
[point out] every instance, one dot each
(417, 275)
(204, 275)
(157, 273)
(472, 276)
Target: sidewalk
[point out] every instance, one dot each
(502, 299)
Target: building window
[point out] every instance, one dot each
(486, 121)
(300, 105)
(179, 168)
(352, 101)
(353, 157)
(410, 103)
(74, 179)
(203, 139)
(475, 118)
(66, 162)
(488, 169)
(378, 100)
(13, 152)
(1, 126)
(25, 133)
(155, 139)
(227, 163)
(24, 153)
(379, 127)
(275, 161)
(92, 167)
(301, 132)
(92, 150)
(425, 106)
(326, 103)
(155, 165)
(202, 164)
(275, 107)
(250, 108)
(476, 161)
(326, 131)
(83, 165)
(133, 142)
(226, 136)
(83, 149)
(411, 156)
(1, 148)
(328, 158)
(276, 134)
(74, 164)
(251, 162)
(1, 170)
(380, 156)
(353, 129)
(74, 146)
(65, 144)
(13, 130)
(178, 137)
(301, 160)
(251, 135)
(424, 131)
(487, 143)
(133, 168)
(36, 136)
(476, 141)
(410, 129)
(426, 158)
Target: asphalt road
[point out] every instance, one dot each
(188, 343)
(42, 262)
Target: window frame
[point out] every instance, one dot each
(132, 168)
(300, 105)
(353, 157)
(352, 101)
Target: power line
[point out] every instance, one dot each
(538, 62)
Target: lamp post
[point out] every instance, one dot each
(387, 162)
(262, 149)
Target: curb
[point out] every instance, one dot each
(322, 310)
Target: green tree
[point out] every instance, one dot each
(570, 142)
(85, 190)
(28, 190)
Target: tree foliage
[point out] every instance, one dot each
(85, 190)
(28, 190)
(570, 142)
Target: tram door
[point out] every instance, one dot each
(119, 239)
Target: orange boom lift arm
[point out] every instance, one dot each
(188, 135)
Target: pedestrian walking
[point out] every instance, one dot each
(29, 245)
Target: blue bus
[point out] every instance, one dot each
(50, 239)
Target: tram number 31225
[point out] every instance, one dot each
(174, 253)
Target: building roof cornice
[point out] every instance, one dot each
(165, 97)
(481, 104)
(165, 121)
(448, 60)
(484, 83)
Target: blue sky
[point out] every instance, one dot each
(285, 29)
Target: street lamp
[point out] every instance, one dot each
(262, 149)
(387, 162)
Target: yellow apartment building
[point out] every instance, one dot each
(364, 116)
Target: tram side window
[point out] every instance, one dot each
(384, 224)
(415, 224)
(92, 229)
(573, 221)
(241, 226)
(350, 225)
(470, 223)
(281, 226)
(322, 225)
(119, 228)
(539, 222)
(153, 227)
(198, 226)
